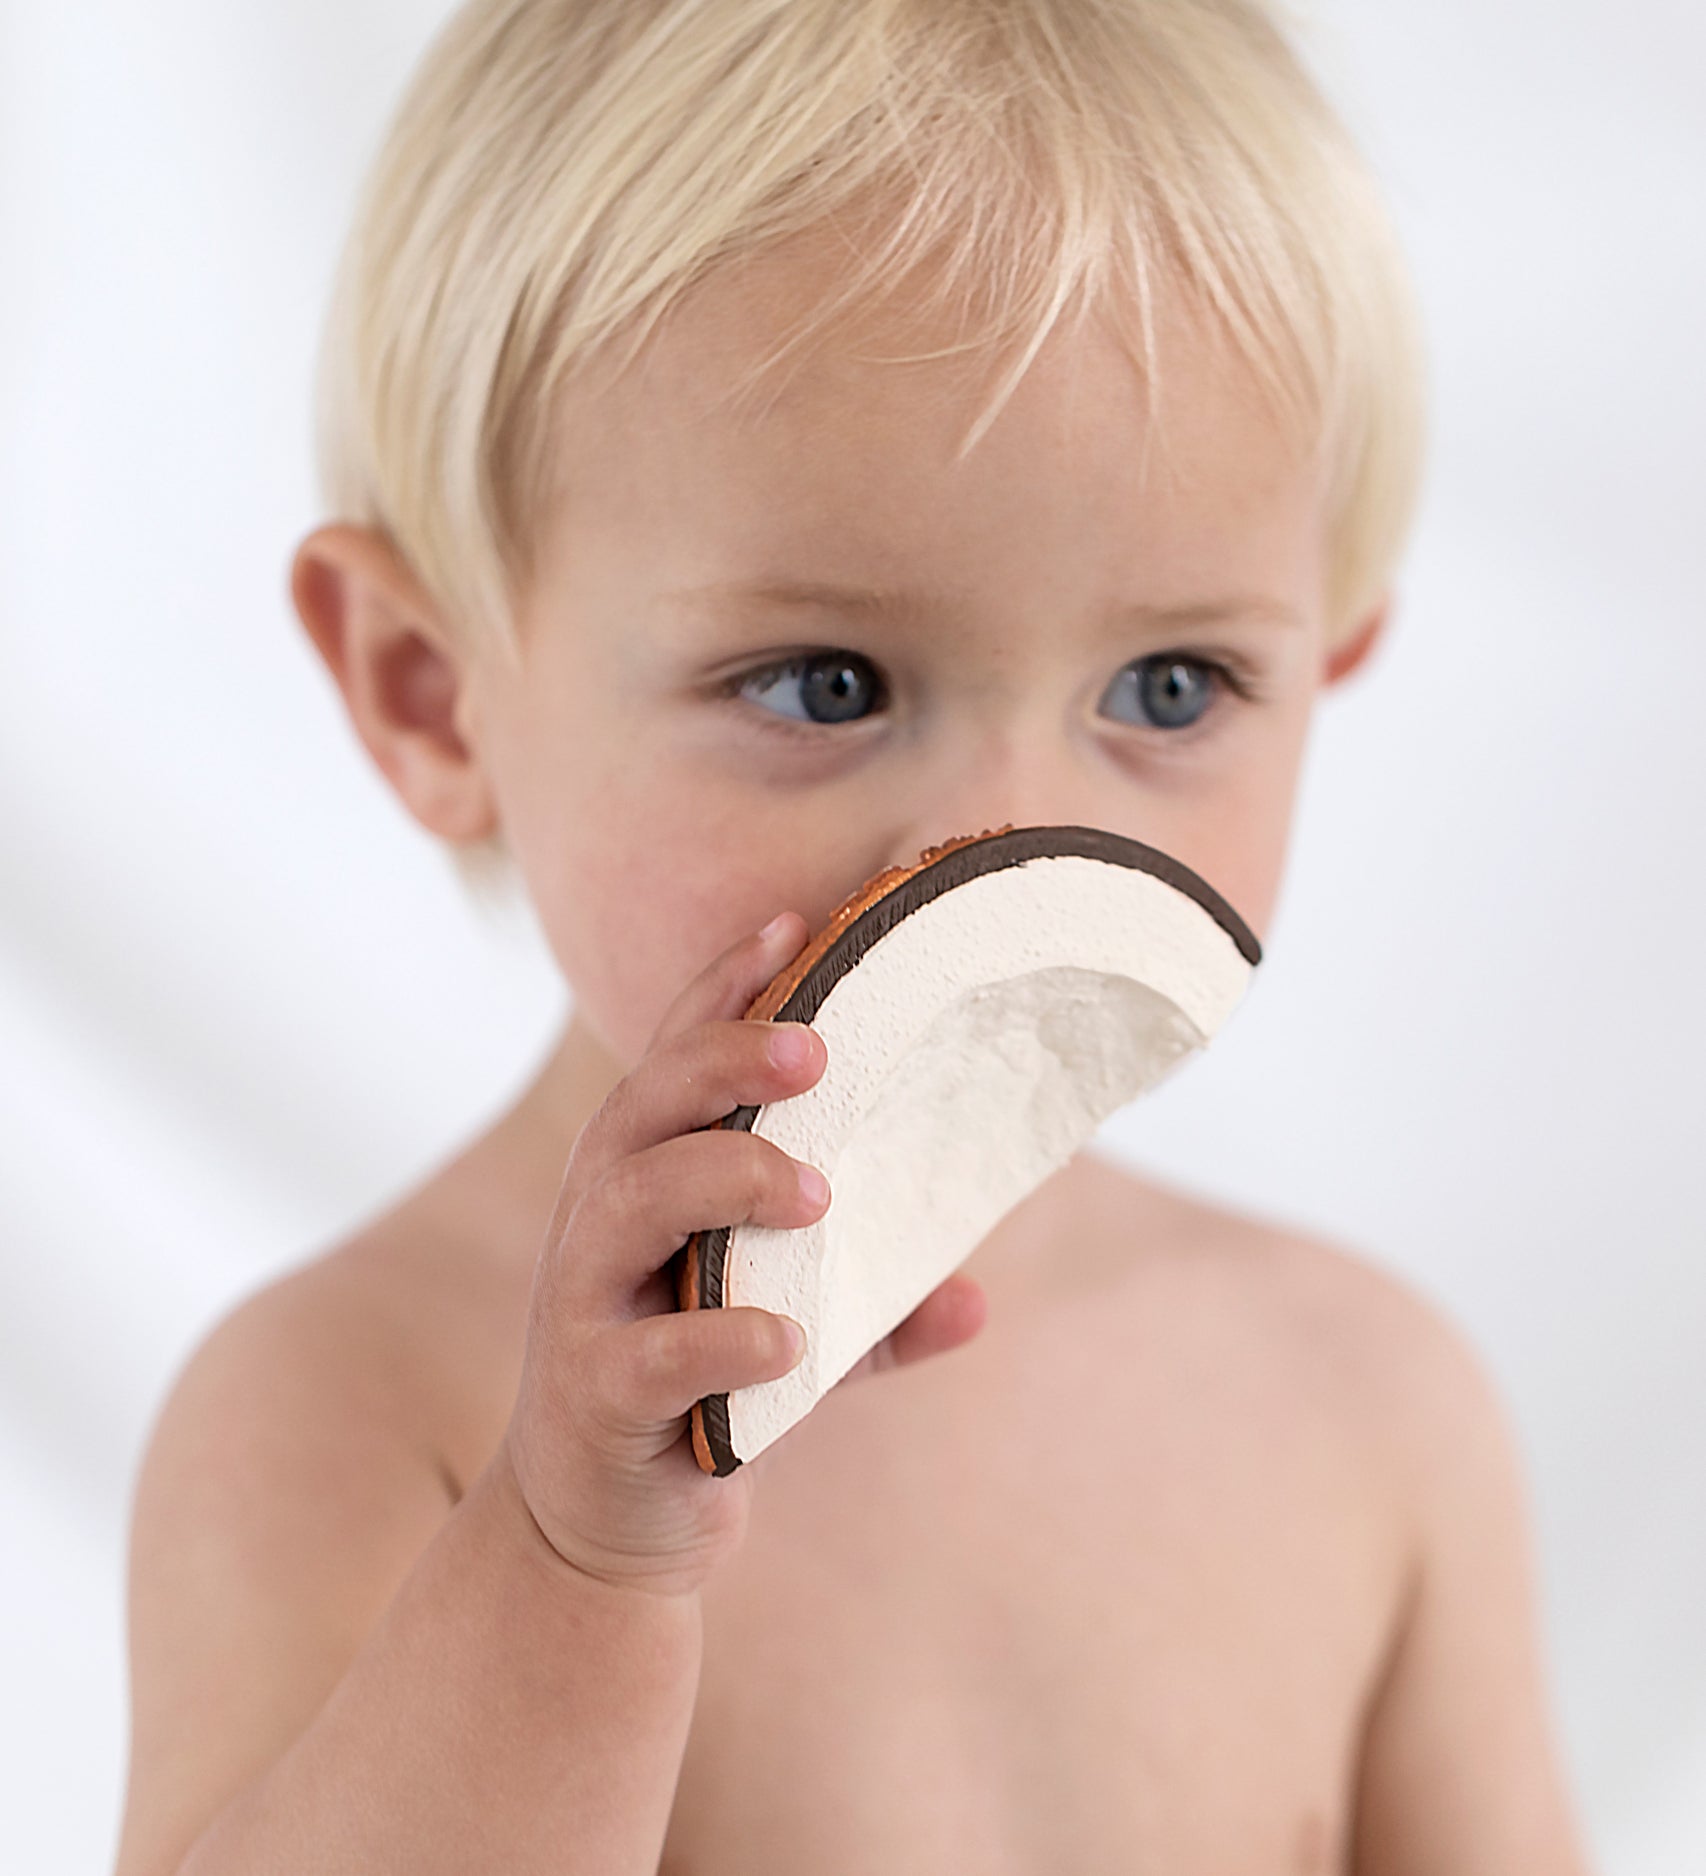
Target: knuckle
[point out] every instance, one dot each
(617, 1112)
(761, 1181)
(782, 1180)
(729, 1062)
(750, 1182)
(765, 1336)
(763, 1340)
(732, 1050)
(618, 1374)
(719, 1044)
(692, 1057)
(626, 1373)
(591, 1149)
(710, 1168)
(623, 1187)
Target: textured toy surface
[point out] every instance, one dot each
(984, 1011)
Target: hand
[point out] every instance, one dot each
(598, 1441)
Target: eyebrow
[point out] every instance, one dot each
(882, 601)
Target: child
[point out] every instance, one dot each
(1157, 1538)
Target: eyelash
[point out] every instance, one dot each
(1227, 672)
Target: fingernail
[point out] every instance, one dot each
(794, 1336)
(814, 1185)
(790, 1046)
(774, 928)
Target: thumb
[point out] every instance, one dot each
(951, 1314)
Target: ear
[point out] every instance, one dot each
(1351, 653)
(406, 689)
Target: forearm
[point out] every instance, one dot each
(505, 1713)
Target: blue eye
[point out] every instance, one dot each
(831, 686)
(1169, 690)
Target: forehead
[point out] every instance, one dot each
(845, 460)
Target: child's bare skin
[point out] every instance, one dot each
(1204, 1552)
(1114, 1586)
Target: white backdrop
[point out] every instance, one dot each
(242, 1004)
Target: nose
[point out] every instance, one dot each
(1033, 776)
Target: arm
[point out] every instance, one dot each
(1459, 1774)
(333, 1670)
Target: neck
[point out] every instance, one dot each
(571, 1084)
(510, 1177)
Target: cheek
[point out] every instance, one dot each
(1247, 870)
(643, 864)
(639, 888)
(1256, 829)
(636, 910)
(1236, 834)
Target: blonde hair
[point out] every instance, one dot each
(559, 172)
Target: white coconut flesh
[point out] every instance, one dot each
(972, 1050)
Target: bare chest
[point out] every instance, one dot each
(1073, 1597)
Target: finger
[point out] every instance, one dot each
(949, 1316)
(628, 1119)
(649, 1373)
(725, 988)
(694, 1079)
(634, 1218)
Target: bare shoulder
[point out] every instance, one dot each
(289, 1480)
(1459, 1769)
(1311, 1301)
(1322, 1335)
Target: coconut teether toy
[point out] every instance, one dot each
(984, 1012)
